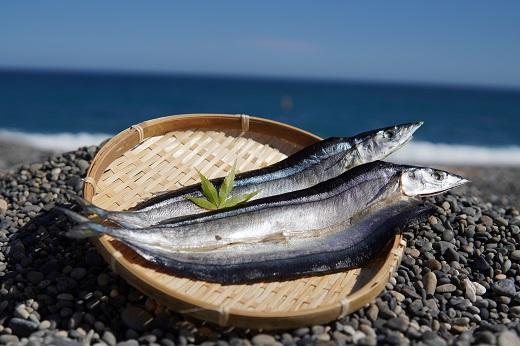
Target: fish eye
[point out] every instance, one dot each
(437, 176)
(389, 134)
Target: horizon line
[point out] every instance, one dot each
(252, 76)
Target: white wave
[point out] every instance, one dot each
(57, 142)
(415, 152)
(457, 154)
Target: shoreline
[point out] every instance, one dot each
(495, 184)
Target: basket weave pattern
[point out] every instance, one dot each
(169, 161)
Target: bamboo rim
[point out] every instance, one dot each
(185, 303)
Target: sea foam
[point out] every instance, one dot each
(416, 152)
(456, 154)
(57, 142)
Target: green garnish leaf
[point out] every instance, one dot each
(209, 189)
(217, 200)
(238, 200)
(227, 185)
(202, 202)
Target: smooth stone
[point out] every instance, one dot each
(515, 255)
(357, 336)
(481, 264)
(45, 324)
(479, 289)
(463, 321)
(434, 264)
(469, 290)
(398, 323)
(83, 166)
(78, 273)
(446, 288)
(21, 312)
(430, 282)
(136, 318)
(128, 343)
(508, 338)
(263, 339)
(486, 220)
(398, 296)
(7, 338)
(22, 327)
(485, 337)
(504, 288)
(3, 206)
(447, 235)
(373, 312)
(35, 277)
(103, 279)
(413, 252)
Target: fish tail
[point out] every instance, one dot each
(88, 207)
(73, 215)
(127, 219)
(87, 230)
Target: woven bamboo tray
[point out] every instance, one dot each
(162, 154)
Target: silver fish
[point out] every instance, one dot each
(299, 214)
(351, 246)
(318, 162)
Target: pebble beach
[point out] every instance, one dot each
(458, 282)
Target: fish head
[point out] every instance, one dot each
(378, 144)
(423, 181)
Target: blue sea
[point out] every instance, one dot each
(62, 110)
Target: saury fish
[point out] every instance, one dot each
(305, 213)
(314, 164)
(350, 247)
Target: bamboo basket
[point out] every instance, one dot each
(162, 154)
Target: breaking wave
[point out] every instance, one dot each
(58, 142)
(457, 154)
(416, 152)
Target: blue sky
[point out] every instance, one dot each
(463, 42)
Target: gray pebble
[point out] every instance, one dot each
(103, 279)
(21, 311)
(505, 287)
(398, 323)
(136, 318)
(83, 166)
(430, 282)
(508, 338)
(3, 206)
(515, 255)
(7, 338)
(35, 277)
(109, 338)
(78, 273)
(22, 327)
(446, 288)
(130, 342)
(263, 340)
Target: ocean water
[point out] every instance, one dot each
(62, 110)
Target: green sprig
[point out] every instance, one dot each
(219, 200)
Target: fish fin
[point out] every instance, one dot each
(88, 207)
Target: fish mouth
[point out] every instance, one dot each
(415, 126)
(461, 182)
(410, 129)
